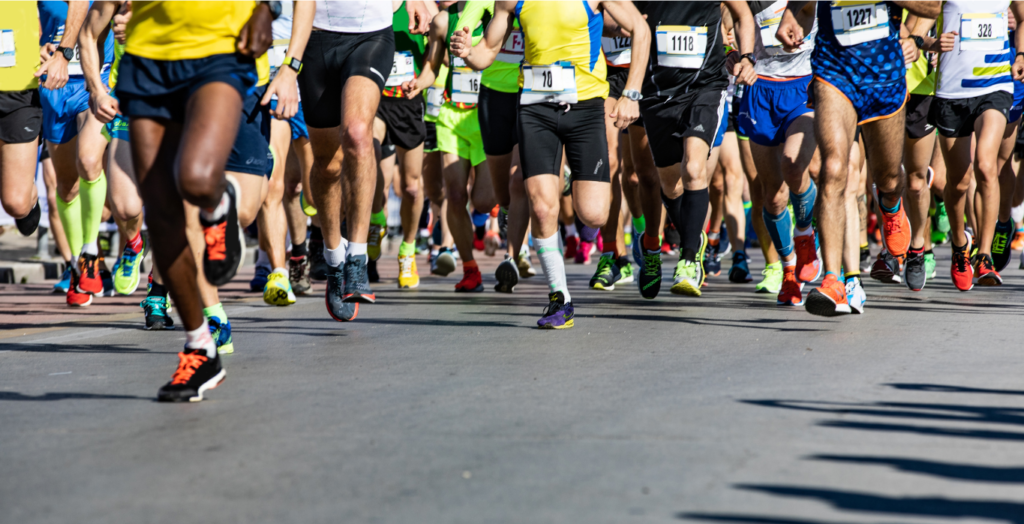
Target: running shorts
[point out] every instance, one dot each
(458, 133)
(1018, 102)
(21, 116)
(770, 106)
(161, 88)
(61, 108)
(871, 102)
(668, 121)
(917, 116)
(499, 115)
(545, 128)
(251, 153)
(331, 59)
(955, 117)
(430, 144)
(297, 122)
(723, 127)
(404, 120)
(116, 128)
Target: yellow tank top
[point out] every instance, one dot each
(570, 31)
(19, 46)
(182, 30)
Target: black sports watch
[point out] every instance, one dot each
(69, 54)
(294, 63)
(275, 7)
(751, 57)
(918, 41)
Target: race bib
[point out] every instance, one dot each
(983, 31)
(435, 99)
(7, 57)
(401, 69)
(512, 51)
(858, 22)
(618, 50)
(681, 46)
(75, 64)
(768, 25)
(549, 83)
(465, 82)
(276, 54)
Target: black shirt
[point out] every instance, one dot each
(672, 81)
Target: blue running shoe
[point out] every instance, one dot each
(221, 333)
(61, 287)
(259, 280)
(557, 314)
(740, 272)
(158, 313)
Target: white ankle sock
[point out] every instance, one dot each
(200, 338)
(336, 257)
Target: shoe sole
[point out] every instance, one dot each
(86, 303)
(413, 286)
(158, 326)
(507, 277)
(567, 325)
(329, 312)
(987, 281)
(444, 268)
(817, 303)
(610, 287)
(360, 298)
(686, 289)
(788, 304)
(477, 289)
(226, 349)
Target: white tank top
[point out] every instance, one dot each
(772, 60)
(353, 16)
(979, 63)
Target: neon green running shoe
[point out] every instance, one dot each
(772, 282)
(126, 270)
(607, 274)
(687, 278)
(626, 268)
(307, 208)
(941, 217)
(278, 290)
(929, 265)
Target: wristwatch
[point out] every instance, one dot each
(275, 7)
(751, 57)
(69, 54)
(918, 41)
(294, 63)
(632, 94)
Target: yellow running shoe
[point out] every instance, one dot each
(307, 208)
(373, 240)
(278, 290)
(408, 277)
(127, 271)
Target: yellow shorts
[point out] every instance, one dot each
(458, 133)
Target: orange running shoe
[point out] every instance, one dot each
(896, 231)
(472, 281)
(808, 266)
(829, 300)
(985, 271)
(76, 299)
(961, 270)
(1018, 241)
(791, 293)
(89, 280)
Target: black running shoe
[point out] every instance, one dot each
(223, 248)
(503, 223)
(317, 263)
(740, 271)
(371, 272)
(650, 274)
(914, 273)
(334, 296)
(196, 373)
(357, 281)
(298, 274)
(507, 275)
(1001, 240)
(28, 224)
(865, 260)
(885, 269)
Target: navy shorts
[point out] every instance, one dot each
(1018, 102)
(769, 107)
(161, 88)
(871, 102)
(251, 151)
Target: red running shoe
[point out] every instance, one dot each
(986, 273)
(571, 243)
(808, 266)
(961, 271)
(790, 294)
(829, 300)
(472, 281)
(89, 280)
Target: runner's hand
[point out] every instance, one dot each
(46, 51)
(625, 112)
(947, 42)
(419, 17)
(411, 88)
(55, 68)
(256, 34)
(744, 72)
(462, 42)
(910, 51)
(121, 22)
(104, 106)
(790, 33)
(1018, 68)
(287, 94)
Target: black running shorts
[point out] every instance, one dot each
(917, 116)
(545, 128)
(670, 120)
(498, 113)
(331, 59)
(955, 117)
(21, 116)
(404, 120)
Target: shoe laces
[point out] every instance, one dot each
(652, 264)
(188, 363)
(216, 241)
(405, 266)
(604, 266)
(895, 225)
(960, 260)
(336, 281)
(128, 259)
(999, 241)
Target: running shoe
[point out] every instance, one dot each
(583, 252)
(724, 245)
(808, 264)
(829, 299)
(196, 374)
(712, 263)
(158, 313)
(278, 291)
(886, 269)
(108, 282)
(88, 277)
(507, 275)
(317, 262)
(772, 281)
(259, 279)
(557, 314)
(791, 293)
(1001, 251)
(472, 281)
(607, 274)
(298, 274)
(127, 271)
(571, 243)
(374, 238)
(307, 208)
(687, 279)
(915, 274)
(855, 295)
(985, 271)
(929, 265)
(503, 222)
(28, 224)
(334, 296)
(478, 244)
(525, 266)
(961, 270)
(492, 243)
(223, 245)
(939, 238)
(865, 260)
(638, 250)
(220, 331)
(625, 270)
(357, 282)
(62, 285)
(896, 231)
(941, 218)
(1018, 241)
(444, 263)
(408, 277)
(650, 273)
(371, 272)
(740, 271)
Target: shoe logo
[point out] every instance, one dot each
(651, 283)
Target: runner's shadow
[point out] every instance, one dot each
(13, 395)
(946, 470)
(74, 348)
(941, 388)
(747, 519)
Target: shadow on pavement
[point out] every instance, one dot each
(946, 470)
(13, 395)
(747, 519)
(70, 347)
(940, 388)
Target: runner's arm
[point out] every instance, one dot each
(419, 16)
(628, 18)
(796, 23)
(434, 58)
(256, 35)
(56, 67)
(283, 84)
(485, 52)
(924, 9)
(95, 30)
(743, 22)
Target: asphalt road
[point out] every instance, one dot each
(437, 407)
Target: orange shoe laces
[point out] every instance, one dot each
(188, 363)
(216, 241)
